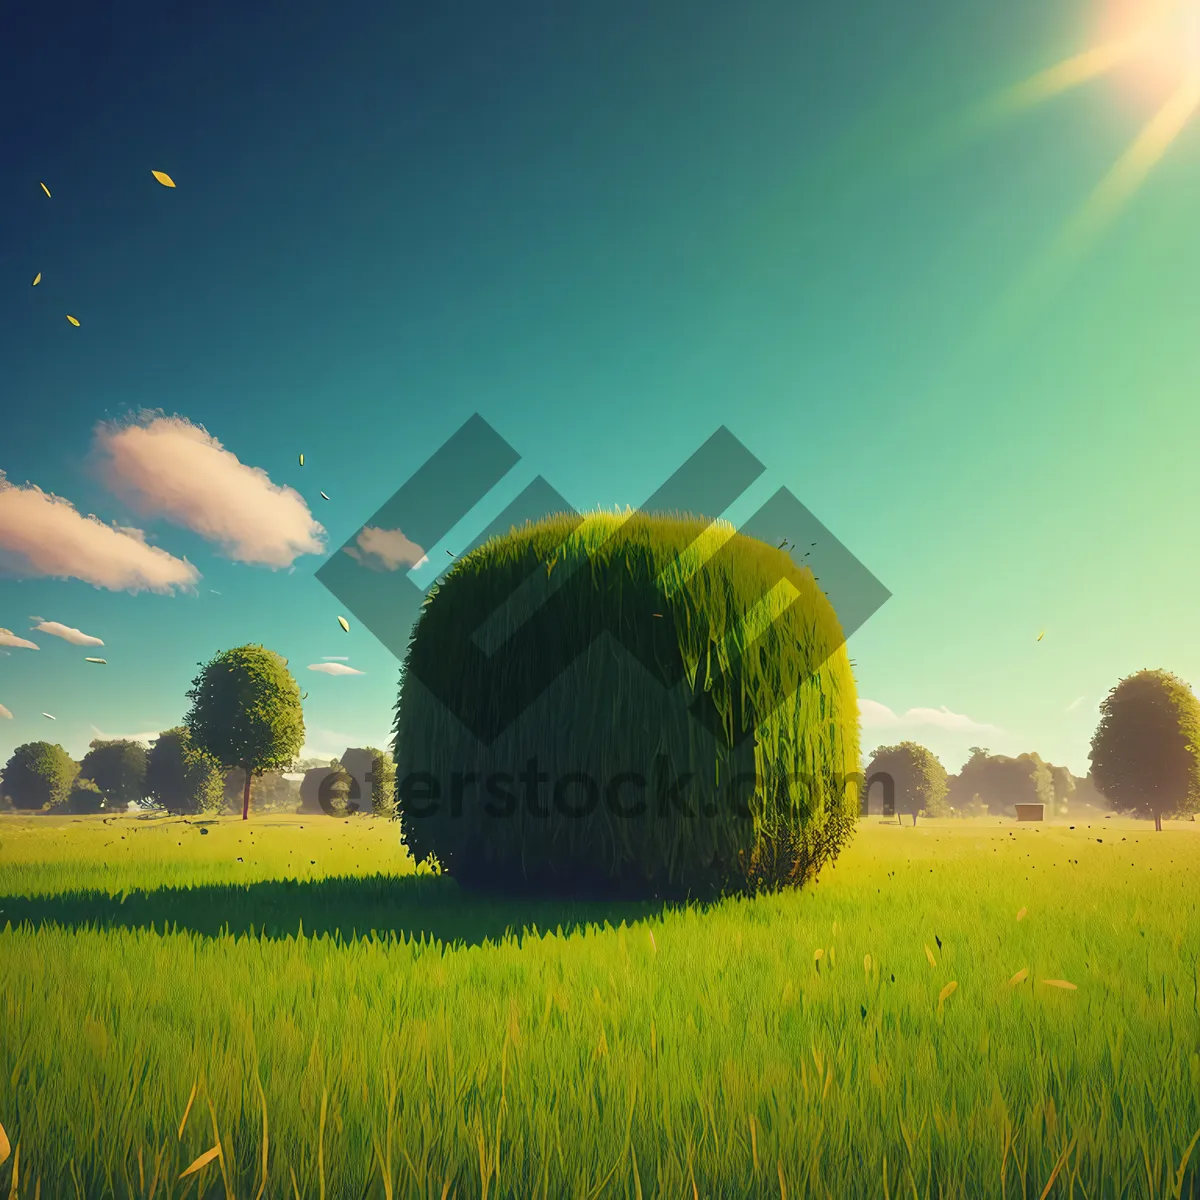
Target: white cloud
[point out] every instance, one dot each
(43, 535)
(386, 550)
(68, 634)
(5, 714)
(144, 738)
(8, 638)
(168, 467)
(334, 668)
(334, 658)
(878, 716)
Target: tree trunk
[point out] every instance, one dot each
(899, 817)
(914, 818)
(246, 796)
(1158, 822)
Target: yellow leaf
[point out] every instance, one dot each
(5, 1148)
(203, 1160)
(163, 178)
(1041, 635)
(929, 955)
(45, 189)
(818, 955)
(188, 1109)
(946, 991)
(1021, 915)
(344, 624)
(37, 279)
(1019, 977)
(867, 963)
(302, 460)
(72, 320)
(1060, 983)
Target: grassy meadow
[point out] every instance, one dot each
(343, 1026)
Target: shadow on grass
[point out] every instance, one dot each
(424, 907)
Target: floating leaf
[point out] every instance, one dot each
(163, 178)
(1041, 635)
(5, 1148)
(302, 460)
(344, 624)
(49, 717)
(1060, 983)
(1021, 915)
(1019, 977)
(72, 320)
(929, 955)
(45, 189)
(947, 991)
(202, 1161)
(101, 661)
(324, 497)
(37, 279)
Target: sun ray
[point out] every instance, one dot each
(1063, 76)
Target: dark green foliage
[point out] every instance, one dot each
(181, 777)
(1146, 750)
(719, 812)
(246, 713)
(85, 798)
(39, 775)
(272, 792)
(1002, 782)
(118, 769)
(919, 780)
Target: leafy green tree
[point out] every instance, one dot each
(1146, 750)
(918, 777)
(246, 713)
(1063, 783)
(39, 775)
(383, 783)
(118, 769)
(85, 797)
(180, 776)
(272, 792)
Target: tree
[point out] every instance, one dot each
(39, 775)
(1001, 782)
(84, 798)
(383, 783)
(246, 713)
(118, 769)
(272, 792)
(918, 778)
(1063, 783)
(1146, 750)
(182, 777)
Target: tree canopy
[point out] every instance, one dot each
(919, 781)
(1146, 750)
(246, 713)
(118, 769)
(39, 775)
(180, 776)
(1002, 782)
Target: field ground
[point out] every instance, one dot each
(411, 1041)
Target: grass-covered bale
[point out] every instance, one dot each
(664, 647)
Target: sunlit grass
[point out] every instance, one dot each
(686, 1053)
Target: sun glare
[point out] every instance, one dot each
(1163, 37)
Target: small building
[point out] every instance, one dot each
(1031, 812)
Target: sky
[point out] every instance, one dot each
(952, 311)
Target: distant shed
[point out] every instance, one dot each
(1030, 812)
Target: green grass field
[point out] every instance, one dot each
(359, 1029)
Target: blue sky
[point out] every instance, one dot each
(608, 229)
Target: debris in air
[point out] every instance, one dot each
(1041, 635)
(302, 460)
(37, 279)
(49, 717)
(45, 189)
(72, 320)
(163, 178)
(102, 661)
(324, 497)
(344, 624)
